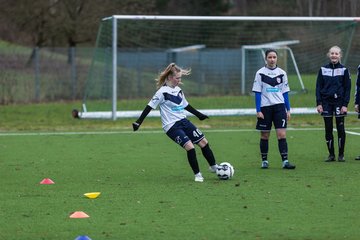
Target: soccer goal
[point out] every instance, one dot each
(223, 52)
(285, 54)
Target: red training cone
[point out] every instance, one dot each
(47, 181)
(79, 214)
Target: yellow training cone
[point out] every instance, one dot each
(92, 194)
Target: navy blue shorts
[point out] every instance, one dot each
(332, 109)
(184, 131)
(272, 114)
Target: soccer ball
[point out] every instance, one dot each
(225, 171)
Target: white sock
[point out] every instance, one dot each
(285, 162)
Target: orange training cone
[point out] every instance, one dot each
(47, 181)
(79, 214)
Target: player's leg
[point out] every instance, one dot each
(264, 148)
(264, 126)
(329, 137)
(197, 137)
(328, 111)
(280, 123)
(208, 154)
(177, 134)
(340, 127)
(282, 143)
(192, 159)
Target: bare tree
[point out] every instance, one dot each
(354, 8)
(42, 23)
(28, 17)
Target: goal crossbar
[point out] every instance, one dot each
(231, 18)
(272, 44)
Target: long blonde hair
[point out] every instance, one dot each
(172, 69)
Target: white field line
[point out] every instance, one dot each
(353, 133)
(6, 134)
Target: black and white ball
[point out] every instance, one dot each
(225, 171)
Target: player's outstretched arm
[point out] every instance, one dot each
(138, 122)
(198, 114)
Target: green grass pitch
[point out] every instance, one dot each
(148, 191)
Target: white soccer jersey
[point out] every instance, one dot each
(271, 83)
(172, 103)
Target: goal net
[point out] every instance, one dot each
(257, 52)
(223, 52)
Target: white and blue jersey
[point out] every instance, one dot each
(272, 84)
(172, 103)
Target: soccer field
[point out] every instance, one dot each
(148, 191)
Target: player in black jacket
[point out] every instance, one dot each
(357, 98)
(332, 98)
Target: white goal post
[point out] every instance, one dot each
(274, 45)
(113, 49)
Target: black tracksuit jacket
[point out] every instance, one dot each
(333, 84)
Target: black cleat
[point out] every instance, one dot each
(289, 166)
(331, 158)
(357, 158)
(341, 158)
